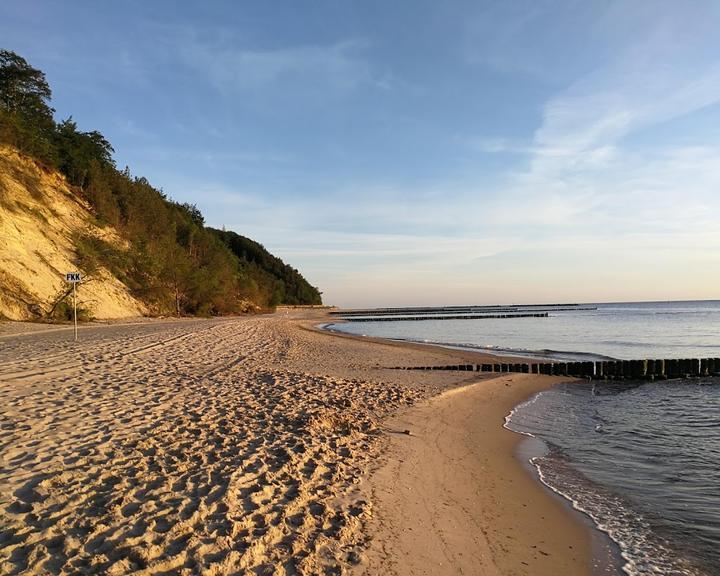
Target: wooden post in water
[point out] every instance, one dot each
(610, 366)
(704, 363)
(636, 371)
(684, 367)
(589, 369)
(633, 369)
(696, 367)
(671, 368)
(660, 368)
(620, 369)
(650, 370)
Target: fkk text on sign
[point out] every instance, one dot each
(73, 277)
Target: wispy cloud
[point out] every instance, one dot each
(586, 121)
(233, 65)
(337, 66)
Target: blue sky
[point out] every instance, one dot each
(416, 152)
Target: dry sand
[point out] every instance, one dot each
(259, 446)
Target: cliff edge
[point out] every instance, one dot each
(40, 222)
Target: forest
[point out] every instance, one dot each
(172, 261)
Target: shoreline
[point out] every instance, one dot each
(497, 353)
(291, 423)
(473, 505)
(590, 550)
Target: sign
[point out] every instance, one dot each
(74, 278)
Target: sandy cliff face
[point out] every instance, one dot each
(39, 219)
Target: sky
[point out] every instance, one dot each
(416, 152)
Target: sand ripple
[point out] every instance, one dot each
(182, 449)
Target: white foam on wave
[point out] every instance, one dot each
(642, 550)
(516, 409)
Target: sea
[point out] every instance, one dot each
(640, 460)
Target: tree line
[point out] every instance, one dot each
(173, 262)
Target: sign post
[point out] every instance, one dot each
(74, 278)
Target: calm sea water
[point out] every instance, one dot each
(623, 331)
(642, 461)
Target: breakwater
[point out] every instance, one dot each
(458, 317)
(654, 369)
(462, 310)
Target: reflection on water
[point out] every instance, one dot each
(643, 461)
(623, 331)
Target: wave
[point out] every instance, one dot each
(633, 344)
(642, 550)
(541, 354)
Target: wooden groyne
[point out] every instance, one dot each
(457, 317)
(494, 309)
(599, 370)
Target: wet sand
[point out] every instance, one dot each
(261, 446)
(453, 498)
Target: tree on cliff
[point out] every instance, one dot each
(78, 150)
(169, 258)
(23, 89)
(26, 119)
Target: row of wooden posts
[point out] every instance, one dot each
(457, 317)
(599, 370)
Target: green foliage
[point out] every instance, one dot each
(92, 253)
(281, 283)
(63, 312)
(26, 119)
(23, 89)
(62, 309)
(78, 151)
(172, 261)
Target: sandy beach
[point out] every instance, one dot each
(258, 445)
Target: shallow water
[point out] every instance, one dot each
(642, 461)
